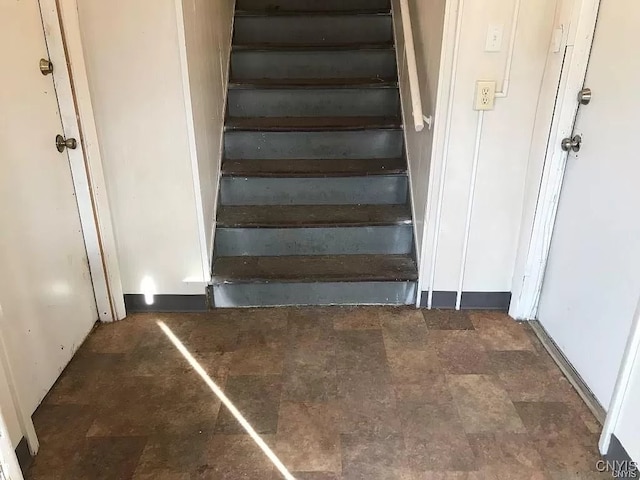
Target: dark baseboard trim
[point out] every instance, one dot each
(135, 303)
(619, 462)
(24, 455)
(470, 300)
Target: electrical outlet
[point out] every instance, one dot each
(485, 95)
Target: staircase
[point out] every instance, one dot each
(314, 201)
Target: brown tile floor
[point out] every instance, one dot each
(338, 393)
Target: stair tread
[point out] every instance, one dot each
(321, 13)
(300, 216)
(315, 268)
(288, 124)
(314, 168)
(313, 83)
(284, 47)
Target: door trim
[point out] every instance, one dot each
(542, 192)
(631, 355)
(24, 418)
(64, 44)
(9, 465)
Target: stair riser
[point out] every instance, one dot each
(342, 293)
(313, 191)
(313, 30)
(251, 64)
(313, 145)
(313, 241)
(314, 102)
(312, 5)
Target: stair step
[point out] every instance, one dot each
(314, 168)
(311, 5)
(315, 29)
(373, 190)
(333, 240)
(312, 216)
(315, 268)
(313, 63)
(313, 83)
(355, 144)
(311, 124)
(328, 47)
(315, 102)
(297, 12)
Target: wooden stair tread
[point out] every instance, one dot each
(314, 168)
(316, 268)
(301, 216)
(288, 124)
(320, 13)
(288, 47)
(286, 83)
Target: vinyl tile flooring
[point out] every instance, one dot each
(363, 393)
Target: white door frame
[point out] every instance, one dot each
(632, 352)
(543, 193)
(9, 465)
(24, 417)
(64, 43)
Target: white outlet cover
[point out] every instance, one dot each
(485, 95)
(494, 38)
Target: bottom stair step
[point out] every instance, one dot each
(314, 280)
(315, 268)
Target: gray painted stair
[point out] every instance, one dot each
(314, 197)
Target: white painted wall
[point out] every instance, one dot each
(133, 58)
(207, 33)
(505, 144)
(427, 24)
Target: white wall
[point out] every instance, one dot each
(427, 24)
(207, 34)
(505, 144)
(132, 53)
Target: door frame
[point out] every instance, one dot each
(546, 174)
(64, 44)
(25, 421)
(9, 465)
(631, 356)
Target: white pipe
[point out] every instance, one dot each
(512, 44)
(445, 153)
(412, 66)
(472, 190)
(632, 351)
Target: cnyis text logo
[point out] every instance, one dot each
(619, 469)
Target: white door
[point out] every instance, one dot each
(592, 281)
(46, 293)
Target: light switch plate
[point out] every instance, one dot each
(485, 95)
(494, 38)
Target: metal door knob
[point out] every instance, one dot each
(572, 143)
(62, 143)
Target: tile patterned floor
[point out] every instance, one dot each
(337, 393)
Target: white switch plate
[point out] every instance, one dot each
(494, 38)
(485, 95)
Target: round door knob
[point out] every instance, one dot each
(62, 143)
(569, 144)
